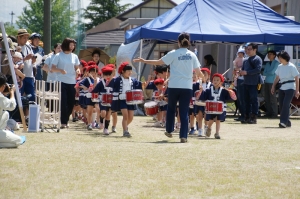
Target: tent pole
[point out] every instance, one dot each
(297, 61)
(140, 63)
(11, 66)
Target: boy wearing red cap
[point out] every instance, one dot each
(88, 84)
(161, 98)
(120, 85)
(200, 110)
(216, 93)
(102, 88)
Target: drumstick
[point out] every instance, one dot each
(226, 71)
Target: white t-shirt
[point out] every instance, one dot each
(66, 62)
(286, 73)
(51, 76)
(27, 70)
(182, 62)
(126, 85)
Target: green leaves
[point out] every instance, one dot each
(62, 19)
(102, 10)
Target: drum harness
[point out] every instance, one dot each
(216, 95)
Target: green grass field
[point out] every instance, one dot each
(250, 161)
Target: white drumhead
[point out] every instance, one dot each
(150, 104)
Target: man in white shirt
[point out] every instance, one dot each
(29, 59)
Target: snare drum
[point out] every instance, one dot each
(134, 97)
(106, 99)
(95, 97)
(214, 107)
(151, 108)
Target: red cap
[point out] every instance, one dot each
(83, 63)
(206, 69)
(92, 67)
(122, 66)
(107, 69)
(110, 65)
(159, 81)
(99, 73)
(218, 75)
(90, 63)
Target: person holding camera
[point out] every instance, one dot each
(7, 138)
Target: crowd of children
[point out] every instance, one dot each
(100, 94)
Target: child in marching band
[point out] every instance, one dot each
(200, 110)
(192, 113)
(82, 94)
(120, 85)
(161, 89)
(102, 88)
(87, 85)
(218, 94)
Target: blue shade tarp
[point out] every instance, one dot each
(234, 21)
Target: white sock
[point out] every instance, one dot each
(94, 115)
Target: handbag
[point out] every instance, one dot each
(279, 84)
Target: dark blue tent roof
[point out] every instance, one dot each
(233, 21)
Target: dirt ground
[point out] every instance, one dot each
(249, 161)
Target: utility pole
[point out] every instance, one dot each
(47, 30)
(12, 17)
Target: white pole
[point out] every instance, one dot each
(140, 63)
(13, 74)
(297, 61)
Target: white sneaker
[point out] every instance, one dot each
(105, 132)
(89, 127)
(163, 124)
(178, 125)
(200, 133)
(113, 129)
(157, 124)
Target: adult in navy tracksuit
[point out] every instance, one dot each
(182, 63)
(251, 72)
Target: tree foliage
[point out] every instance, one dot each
(62, 19)
(10, 30)
(99, 11)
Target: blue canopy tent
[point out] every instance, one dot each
(234, 21)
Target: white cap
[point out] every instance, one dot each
(18, 55)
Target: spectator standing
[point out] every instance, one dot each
(210, 63)
(269, 73)
(28, 59)
(238, 64)
(288, 75)
(251, 72)
(35, 40)
(66, 65)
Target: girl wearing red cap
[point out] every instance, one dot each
(162, 90)
(216, 93)
(87, 85)
(102, 88)
(120, 85)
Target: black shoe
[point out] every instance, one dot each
(281, 125)
(252, 119)
(237, 119)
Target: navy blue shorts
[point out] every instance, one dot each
(117, 105)
(191, 111)
(197, 109)
(163, 108)
(88, 102)
(104, 108)
(220, 117)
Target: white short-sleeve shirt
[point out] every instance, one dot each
(182, 63)
(66, 62)
(51, 76)
(286, 73)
